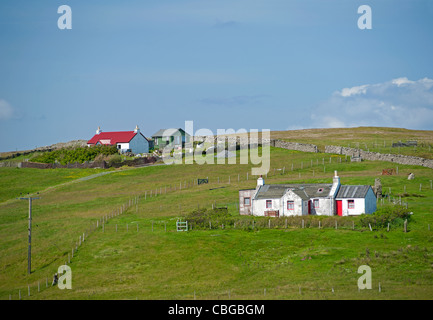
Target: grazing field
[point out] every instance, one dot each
(367, 138)
(139, 255)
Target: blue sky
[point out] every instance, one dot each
(271, 64)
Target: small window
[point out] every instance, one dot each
(290, 205)
(320, 190)
(247, 201)
(268, 204)
(351, 204)
(316, 203)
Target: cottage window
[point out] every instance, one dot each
(268, 204)
(247, 201)
(290, 205)
(351, 204)
(316, 203)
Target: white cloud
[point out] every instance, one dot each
(401, 81)
(347, 92)
(396, 103)
(6, 110)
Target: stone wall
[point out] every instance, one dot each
(305, 147)
(376, 156)
(38, 165)
(244, 141)
(11, 164)
(93, 164)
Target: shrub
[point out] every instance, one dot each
(200, 218)
(395, 215)
(77, 154)
(113, 159)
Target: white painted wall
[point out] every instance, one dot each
(359, 207)
(298, 203)
(259, 206)
(326, 207)
(123, 146)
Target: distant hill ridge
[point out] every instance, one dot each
(73, 143)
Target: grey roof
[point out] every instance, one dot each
(346, 191)
(167, 132)
(305, 191)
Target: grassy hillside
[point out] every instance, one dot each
(368, 138)
(147, 259)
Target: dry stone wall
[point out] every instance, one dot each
(305, 147)
(376, 156)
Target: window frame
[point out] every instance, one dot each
(351, 204)
(249, 201)
(268, 204)
(314, 203)
(292, 203)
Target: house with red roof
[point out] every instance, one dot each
(132, 141)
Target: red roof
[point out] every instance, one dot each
(112, 138)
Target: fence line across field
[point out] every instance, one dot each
(134, 202)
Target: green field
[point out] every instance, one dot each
(367, 138)
(139, 255)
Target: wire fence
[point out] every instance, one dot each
(242, 223)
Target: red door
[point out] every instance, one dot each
(339, 207)
(309, 206)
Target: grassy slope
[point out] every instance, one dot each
(14, 181)
(164, 265)
(368, 138)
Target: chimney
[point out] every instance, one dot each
(260, 181)
(336, 178)
(137, 130)
(335, 185)
(99, 130)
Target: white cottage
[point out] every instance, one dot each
(281, 200)
(133, 141)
